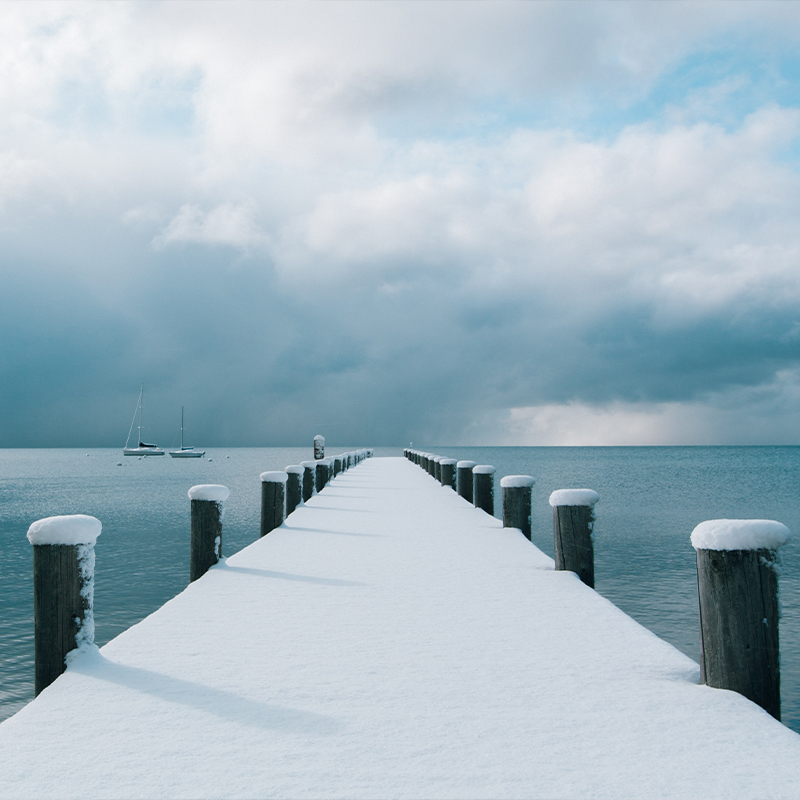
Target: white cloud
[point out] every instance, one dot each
(225, 224)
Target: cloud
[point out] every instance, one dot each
(406, 218)
(226, 224)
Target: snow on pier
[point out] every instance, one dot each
(389, 640)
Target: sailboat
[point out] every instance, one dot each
(186, 452)
(143, 449)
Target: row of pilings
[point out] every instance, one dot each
(737, 571)
(64, 561)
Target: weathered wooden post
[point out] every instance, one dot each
(517, 502)
(319, 447)
(432, 465)
(206, 542)
(294, 487)
(322, 475)
(273, 500)
(337, 465)
(447, 469)
(309, 473)
(573, 521)
(437, 468)
(737, 583)
(464, 480)
(483, 487)
(63, 591)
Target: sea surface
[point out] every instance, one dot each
(650, 500)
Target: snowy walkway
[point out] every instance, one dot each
(391, 641)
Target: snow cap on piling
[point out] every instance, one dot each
(274, 477)
(740, 534)
(68, 529)
(517, 482)
(573, 497)
(295, 469)
(305, 464)
(210, 491)
(465, 465)
(447, 462)
(483, 469)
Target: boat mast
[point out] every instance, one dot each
(181, 428)
(141, 407)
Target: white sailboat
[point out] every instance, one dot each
(143, 449)
(186, 452)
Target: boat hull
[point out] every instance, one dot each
(187, 453)
(142, 451)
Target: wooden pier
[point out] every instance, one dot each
(391, 640)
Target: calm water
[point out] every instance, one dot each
(651, 498)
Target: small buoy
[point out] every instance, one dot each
(119, 463)
(87, 454)
(225, 456)
(210, 459)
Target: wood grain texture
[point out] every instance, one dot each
(294, 491)
(738, 593)
(273, 505)
(483, 491)
(572, 534)
(206, 543)
(58, 609)
(517, 508)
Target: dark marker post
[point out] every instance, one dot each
(573, 522)
(319, 447)
(737, 583)
(206, 542)
(63, 591)
(517, 502)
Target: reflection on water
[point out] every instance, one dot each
(651, 498)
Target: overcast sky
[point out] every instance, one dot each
(447, 223)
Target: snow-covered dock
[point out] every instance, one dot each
(389, 640)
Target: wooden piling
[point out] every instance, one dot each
(63, 591)
(483, 487)
(464, 479)
(206, 527)
(321, 474)
(319, 447)
(337, 465)
(273, 500)
(447, 470)
(738, 594)
(294, 487)
(516, 491)
(573, 522)
(437, 468)
(309, 475)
